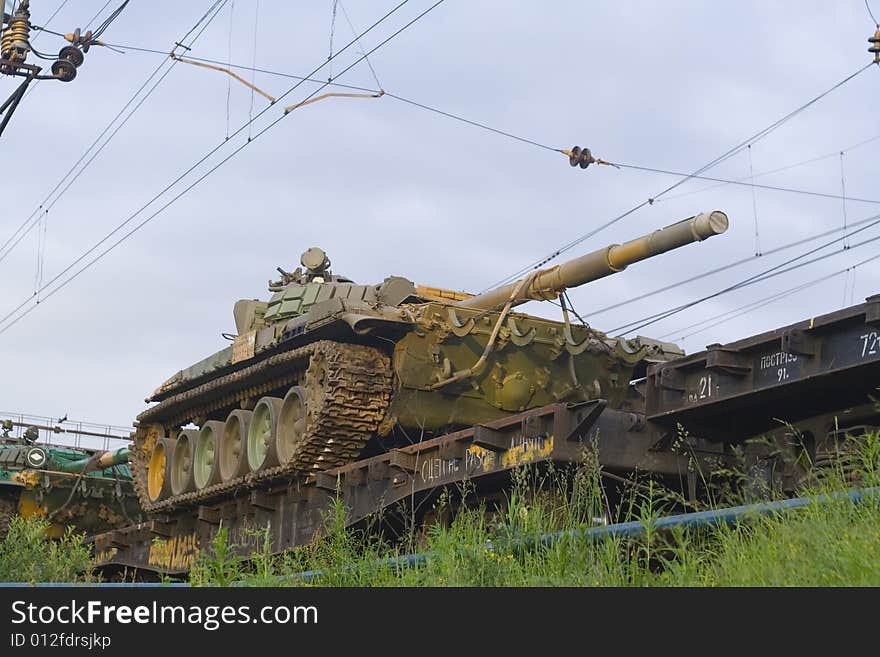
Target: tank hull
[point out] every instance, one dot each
(95, 497)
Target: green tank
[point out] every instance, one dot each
(91, 491)
(327, 370)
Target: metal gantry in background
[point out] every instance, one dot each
(64, 432)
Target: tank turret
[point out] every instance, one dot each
(327, 370)
(90, 491)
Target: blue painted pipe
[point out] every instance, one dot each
(700, 519)
(697, 520)
(728, 516)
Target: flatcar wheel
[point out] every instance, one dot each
(206, 459)
(158, 472)
(182, 462)
(261, 434)
(291, 427)
(233, 445)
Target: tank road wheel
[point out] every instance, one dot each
(182, 462)
(233, 445)
(159, 469)
(206, 459)
(8, 510)
(344, 395)
(261, 434)
(291, 429)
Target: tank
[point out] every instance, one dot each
(326, 371)
(91, 491)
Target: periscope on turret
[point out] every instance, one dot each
(327, 371)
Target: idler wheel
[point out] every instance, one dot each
(233, 445)
(182, 462)
(291, 427)
(159, 469)
(261, 434)
(206, 459)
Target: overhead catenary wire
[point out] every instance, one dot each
(852, 291)
(196, 182)
(9, 321)
(41, 242)
(48, 201)
(758, 136)
(107, 21)
(98, 13)
(718, 180)
(332, 34)
(688, 175)
(216, 6)
(845, 289)
(207, 60)
(51, 18)
(722, 268)
(42, 237)
(250, 85)
(544, 146)
(743, 183)
(229, 61)
(721, 318)
(43, 29)
(253, 67)
(754, 204)
(708, 323)
(760, 276)
(483, 126)
(786, 167)
(354, 32)
(871, 13)
(843, 197)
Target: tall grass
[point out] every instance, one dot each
(833, 544)
(26, 555)
(474, 544)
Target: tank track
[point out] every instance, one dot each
(348, 388)
(8, 510)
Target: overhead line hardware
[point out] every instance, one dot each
(875, 45)
(289, 109)
(15, 46)
(8, 319)
(582, 157)
(222, 69)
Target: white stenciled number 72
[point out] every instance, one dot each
(870, 343)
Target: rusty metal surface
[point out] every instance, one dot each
(295, 510)
(733, 391)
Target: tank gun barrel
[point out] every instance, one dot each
(549, 283)
(97, 461)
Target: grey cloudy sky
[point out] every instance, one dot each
(387, 188)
